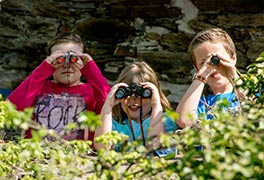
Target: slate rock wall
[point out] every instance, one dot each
(118, 32)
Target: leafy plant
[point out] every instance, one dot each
(253, 80)
(229, 147)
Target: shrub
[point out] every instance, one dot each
(232, 146)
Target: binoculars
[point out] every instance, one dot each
(67, 59)
(133, 88)
(215, 60)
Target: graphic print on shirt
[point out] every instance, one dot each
(57, 110)
(207, 104)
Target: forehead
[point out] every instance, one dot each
(131, 79)
(206, 48)
(67, 46)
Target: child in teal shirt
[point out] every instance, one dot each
(134, 105)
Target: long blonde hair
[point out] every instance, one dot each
(144, 73)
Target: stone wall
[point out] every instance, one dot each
(121, 31)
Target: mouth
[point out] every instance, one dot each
(67, 72)
(214, 75)
(134, 107)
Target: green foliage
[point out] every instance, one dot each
(15, 118)
(253, 80)
(89, 119)
(232, 146)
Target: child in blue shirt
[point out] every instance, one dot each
(213, 55)
(207, 103)
(139, 108)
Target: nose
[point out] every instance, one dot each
(134, 98)
(67, 64)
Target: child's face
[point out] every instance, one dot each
(133, 106)
(67, 75)
(202, 53)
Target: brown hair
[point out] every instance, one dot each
(213, 35)
(65, 37)
(144, 73)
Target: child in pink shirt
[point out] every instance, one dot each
(59, 101)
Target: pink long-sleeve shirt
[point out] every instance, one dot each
(56, 105)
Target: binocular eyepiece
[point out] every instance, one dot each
(133, 88)
(67, 59)
(215, 60)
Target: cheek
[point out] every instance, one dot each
(76, 71)
(123, 105)
(78, 74)
(56, 73)
(146, 105)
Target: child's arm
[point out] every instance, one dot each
(94, 76)
(106, 116)
(25, 94)
(188, 104)
(106, 127)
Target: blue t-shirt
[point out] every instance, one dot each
(170, 126)
(206, 104)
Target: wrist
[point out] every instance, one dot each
(200, 78)
(108, 106)
(49, 60)
(155, 102)
(204, 72)
(87, 61)
(156, 105)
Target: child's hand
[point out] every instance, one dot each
(56, 62)
(155, 98)
(52, 59)
(226, 67)
(84, 57)
(111, 99)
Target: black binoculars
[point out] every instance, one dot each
(215, 60)
(67, 59)
(133, 88)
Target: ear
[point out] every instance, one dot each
(234, 58)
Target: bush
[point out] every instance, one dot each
(232, 146)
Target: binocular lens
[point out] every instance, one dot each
(67, 59)
(74, 59)
(215, 60)
(146, 93)
(61, 60)
(124, 92)
(120, 93)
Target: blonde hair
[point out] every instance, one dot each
(144, 73)
(213, 35)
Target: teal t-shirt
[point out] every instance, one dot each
(170, 126)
